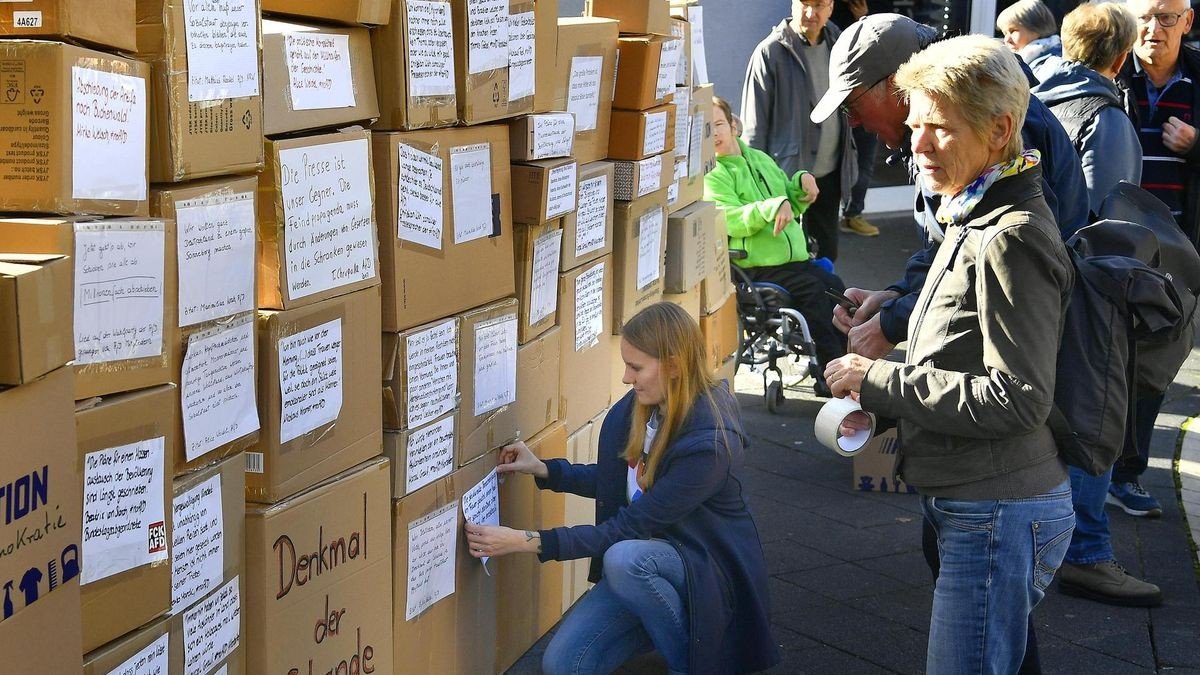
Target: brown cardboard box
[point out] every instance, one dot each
(140, 354)
(645, 71)
(640, 242)
(43, 471)
(57, 132)
(688, 247)
(688, 190)
(317, 234)
(538, 372)
(36, 329)
(422, 282)
(541, 136)
(717, 286)
(319, 577)
(428, 33)
(332, 85)
(326, 432)
(638, 134)
(583, 81)
(588, 232)
(875, 466)
(368, 12)
(689, 300)
(538, 250)
(420, 374)
(203, 122)
(585, 313)
(208, 512)
(581, 449)
(423, 455)
(636, 179)
(636, 16)
(477, 591)
(545, 51)
(126, 445)
(544, 190)
(104, 23)
(728, 371)
(702, 149)
(488, 87)
(145, 650)
(720, 331)
(487, 376)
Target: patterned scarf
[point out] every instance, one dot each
(959, 207)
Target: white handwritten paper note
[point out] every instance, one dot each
(668, 62)
(222, 49)
(119, 291)
(589, 308)
(520, 56)
(655, 140)
(319, 70)
(198, 544)
(495, 364)
(108, 129)
(683, 105)
(560, 195)
(699, 62)
(212, 629)
(487, 35)
(432, 544)
(431, 370)
(650, 260)
(123, 509)
(470, 191)
(420, 218)
(592, 219)
(553, 135)
(681, 63)
(430, 49)
(154, 659)
(310, 379)
(583, 90)
(217, 391)
(216, 256)
(695, 145)
(544, 280)
(430, 454)
(329, 219)
(481, 505)
(649, 175)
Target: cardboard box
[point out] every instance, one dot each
(585, 314)
(720, 331)
(689, 300)
(638, 134)
(636, 179)
(317, 234)
(875, 466)
(538, 250)
(367, 12)
(541, 136)
(688, 247)
(414, 67)
(494, 65)
(420, 374)
(423, 455)
(588, 231)
(36, 329)
(686, 191)
(316, 76)
(640, 243)
(147, 649)
(42, 472)
(321, 431)
(583, 81)
(487, 376)
(646, 70)
(702, 149)
(538, 373)
(126, 450)
(545, 52)
(118, 347)
(319, 577)
(636, 16)
(544, 190)
(717, 286)
(581, 449)
(57, 131)
(427, 272)
(163, 645)
(107, 24)
(728, 372)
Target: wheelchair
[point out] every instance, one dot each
(770, 330)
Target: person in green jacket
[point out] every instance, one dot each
(762, 207)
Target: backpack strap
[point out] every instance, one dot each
(1078, 116)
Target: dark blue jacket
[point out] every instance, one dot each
(698, 504)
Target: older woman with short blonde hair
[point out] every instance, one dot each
(977, 385)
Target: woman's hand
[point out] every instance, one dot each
(845, 375)
(808, 183)
(517, 457)
(783, 217)
(494, 540)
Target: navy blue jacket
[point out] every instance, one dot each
(698, 504)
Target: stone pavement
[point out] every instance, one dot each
(850, 590)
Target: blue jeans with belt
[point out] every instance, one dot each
(997, 558)
(640, 604)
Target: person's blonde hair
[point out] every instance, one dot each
(1096, 34)
(666, 332)
(1032, 15)
(976, 75)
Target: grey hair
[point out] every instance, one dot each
(1032, 15)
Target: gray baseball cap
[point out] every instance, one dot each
(867, 52)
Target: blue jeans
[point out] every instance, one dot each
(1092, 542)
(639, 604)
(997, 558)
(866, 143)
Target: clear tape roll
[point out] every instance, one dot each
(829, 421)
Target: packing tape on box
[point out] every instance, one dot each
(829, 421)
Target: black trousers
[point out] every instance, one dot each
(806, 282)
(821, 218)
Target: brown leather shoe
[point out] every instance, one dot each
(1109, 583)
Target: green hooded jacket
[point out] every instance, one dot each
(750, 188)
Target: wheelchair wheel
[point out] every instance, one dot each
(774, 397)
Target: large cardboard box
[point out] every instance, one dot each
(414, 67)
(689, 300)
(42, 615)
(539, 367)
(588, 231)
(494, 67)
(875, 466)
(537, 249)
(544, 190)
(635, 179)
(583, 81)
(319, 577)
(318, 405)
(702, 149)
(636, 16)
(68, 111)
(717, 285)
(582, 448)
(688, 247)
(545, 51)
(104, 23)
(720, 331)
(727, 372)
(423, 455)
(367, 12)
(585, 314)
(126, 450)
(420, 374)
(316, 76)
(442, 260)
(646, 71)
(638, 134)
(317, 234)
(541, 136)
(640, 243)
(146, 650)
(36, 329)
(487, 376)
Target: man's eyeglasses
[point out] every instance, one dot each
(847, 107)
(1164, 19)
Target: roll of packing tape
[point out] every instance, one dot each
(829, 421)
